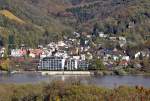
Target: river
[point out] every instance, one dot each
(102, 81)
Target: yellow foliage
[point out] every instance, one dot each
(57, 98)
(11, 16)
(4, 32)
(5, 64)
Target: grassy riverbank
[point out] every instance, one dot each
(74, 91)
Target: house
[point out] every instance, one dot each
(18, 52)
(40, 46)
(113, 38)
(84, 33)
(35, 52)
(61, 44)
(74, 51)
(106, 57)
(126, 58)
(88, 36)
(123, 63)
(131, 24)
(81, 49)
(102, 35)
(122, 41)
(147, 37)
(32, 55)
(137, 55)
(2, 51)
(77, 57)
(115, 58)
(121, 38)
(82, 56)
(61, 54)
(144, 53)
(43, 55)
(76, 34)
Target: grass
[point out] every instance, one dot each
(73, 91)
(11, 16)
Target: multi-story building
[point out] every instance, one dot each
(83, 65)
(71, 64)
(52, 63)
(59, 63)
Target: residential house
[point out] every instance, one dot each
(18, 52)
(102, 35)
(123, 63)
(35, 52)
(122, 41)
(113, 38)
(2, 51)
(144, 53)
(76, 34)
(83, 57)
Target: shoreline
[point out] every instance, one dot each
(90, 73)
(66, 72)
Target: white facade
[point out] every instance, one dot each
(61, 44)
(76, 57)
(2, 51)
(52, 63)
(102, 35)
(71, 64)
(127, 58)
(15, 53)
(59, 63)
(32, 55)
(83, 57)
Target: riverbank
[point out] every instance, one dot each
(66, 72)
(93, 73)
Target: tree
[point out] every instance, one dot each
(82, 40)
(45, 35)
(1, 41)
(5, 64)
(95, 30)
(96, 64)
(11, 42)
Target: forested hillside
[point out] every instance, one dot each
(33, 21)
(38, 20)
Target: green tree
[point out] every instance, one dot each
(11, 43)
(96, 64)
(95, 30)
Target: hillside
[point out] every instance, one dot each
(10, 16)
(37, 18)
(60, 17)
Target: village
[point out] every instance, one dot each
(77, 53)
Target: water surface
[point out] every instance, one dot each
(104, 81)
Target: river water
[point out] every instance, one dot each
(102, 81)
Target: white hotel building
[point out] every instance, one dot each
(59, 63)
